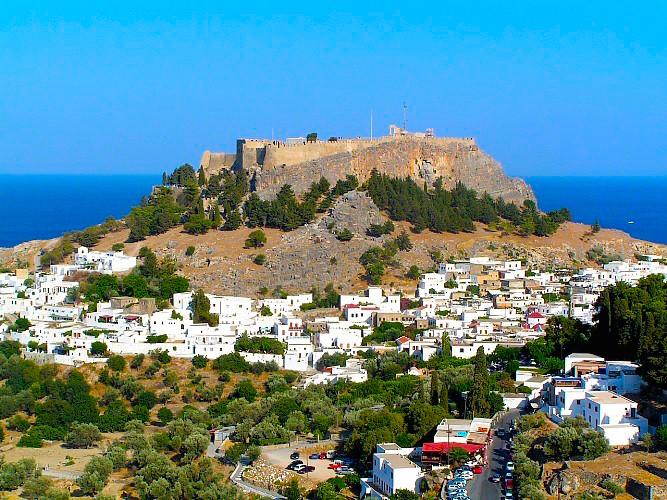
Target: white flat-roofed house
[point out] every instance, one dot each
(359, 314)
(299, 354)
(163, 323)
(392, 471)
(374, 297)
(287, 327)
(104, 262)
(619, 376)
(616, 416)
(210, 341)
(230, 310)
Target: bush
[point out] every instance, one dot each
(190, 251)
(18, 423)
(137, 361)
(29, 441)
(83, 436)
(245, 389)
(661, 437)
(260, 259)
(233, 362)
(165, 415)
(612, 487)
(156, 339)
(117, 247)
(199, 361)
(344, 235)
(116, 363)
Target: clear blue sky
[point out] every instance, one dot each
(568, 88)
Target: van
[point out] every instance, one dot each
(331, 454)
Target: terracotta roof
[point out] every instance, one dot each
(403, 339)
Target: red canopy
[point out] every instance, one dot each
(444, 447)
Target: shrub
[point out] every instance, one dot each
(165, 415)
(137, 361)
(344, 235)
(260, 259)
(116, 363)
(117, 247)
(190, 251)
(199, 361)
(156, 339)
(98, 348)
(83, 436)
(18, 423)
(29, 441)
(612, 487)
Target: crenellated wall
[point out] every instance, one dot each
(274, 163)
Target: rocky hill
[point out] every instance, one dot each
(312, 256)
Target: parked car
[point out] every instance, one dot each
(509, 484)
(500, 433)
(465, 474)
(509, 495)
(330, 454)
(323, 456)
(344, 471)
(495, 478)
(298, 468)
(510, 466)
(294, 464)
(294, 455)
(471, 463)
(335, 466)
(477, 469)
(509, 475)
(305, 469)
(314, 456)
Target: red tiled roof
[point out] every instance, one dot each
(535, 315)
(403, 339)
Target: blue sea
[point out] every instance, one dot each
(636, 205)
(46, 206)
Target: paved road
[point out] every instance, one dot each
(481, 488)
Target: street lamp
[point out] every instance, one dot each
(465, 403)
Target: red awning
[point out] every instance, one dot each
(105, 316)
(131, 318)
(444, 447)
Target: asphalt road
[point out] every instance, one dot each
(481, 488)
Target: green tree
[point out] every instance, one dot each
(83, 436)
(245, 389)
(293, 491)
(403, 241)
(165, 415)
(98, 348)
(256, 239)
(116, 363)
(479, 404)
(95, 475)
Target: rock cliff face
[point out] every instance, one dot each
(423, 159)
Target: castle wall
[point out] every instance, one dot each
(214, 163)
(269, 154)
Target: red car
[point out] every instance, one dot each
(323, 456)
(509, 484)
(477, 469)
(335, 466)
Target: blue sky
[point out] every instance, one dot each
(567, 88)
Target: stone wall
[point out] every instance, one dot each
(213, 163)
(424, 159)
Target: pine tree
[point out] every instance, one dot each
(202, 177)
(164, 178)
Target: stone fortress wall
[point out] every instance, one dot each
(421, 156)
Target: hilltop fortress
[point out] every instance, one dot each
(421, 156)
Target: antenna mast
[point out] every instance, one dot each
(405, 110)
(371, 123)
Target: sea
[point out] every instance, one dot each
(36, 207)
(46, 206)
(636, 205)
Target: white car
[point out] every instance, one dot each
(297, 468)
(471, 463)
(509, 495)
(465, 474)
(510, 466)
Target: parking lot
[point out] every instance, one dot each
(281, 458)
